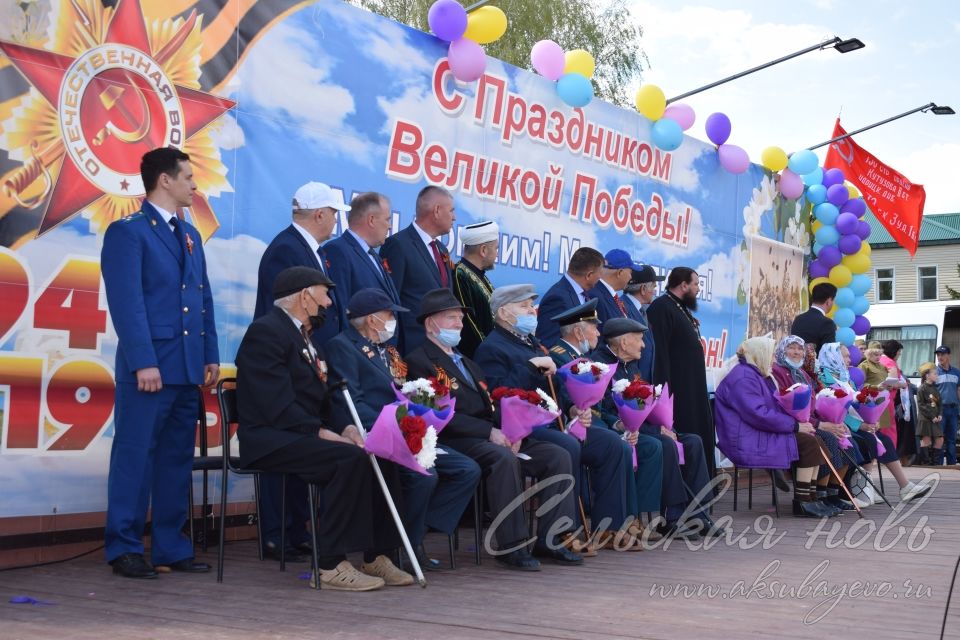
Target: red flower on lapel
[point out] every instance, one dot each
(326, 263)
(386, 265)
(189, 243)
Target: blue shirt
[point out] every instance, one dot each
(947, 380)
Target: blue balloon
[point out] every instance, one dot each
(817, 248)
(860, 305)
(667, 134)
(816, 194)
(845, 335)
(844, 317)
(812, 178)
(827, 235)
(575, 89)
(803, 162)
(860, 284)
(844, 297)
(826, 213)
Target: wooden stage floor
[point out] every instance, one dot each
(903, 577)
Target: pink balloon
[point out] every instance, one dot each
(467, 60)
(548, 59)
(733, 158)
(791, 185)
(682, 114)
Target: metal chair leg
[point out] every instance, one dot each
(190, 512)
(315, 554)
(736, 486)
(223, 525)
(256, 498)
(477, 521)
(453, 561)
(749, 489)
(207, 511)
(283, 523)
(776, 500)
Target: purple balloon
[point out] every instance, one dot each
(718, 128)
(818, 269)
(847, 224)
(733, 158)
(682, 114)
(829, 256)
(855, 354)
(838, 195)
(863, 229)
(856, 376)
(791, 185)
(857, 207)
(861, 325)
(447, 19)
(849, 245)
(832, 177)
(547, 58)
(467, 60)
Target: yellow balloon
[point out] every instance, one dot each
(857, 263)
(815, 225)
(774, 158)
(865, 249)
(579, 61)
(486, 24)
(651, 102)
(852, 190)
(841, 275)
(817, 281)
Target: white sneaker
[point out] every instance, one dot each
(870, 494)
(912, 491)
(862, 503)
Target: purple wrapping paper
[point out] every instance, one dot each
(518, 418)
(385, 440)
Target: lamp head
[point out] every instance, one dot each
(848, 45)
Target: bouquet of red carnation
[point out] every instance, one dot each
(832, 404)
(428, 398)
(401, 436)
(635, 400)
(586, 383)
(797, 401)
(522, 411)
(870, 403)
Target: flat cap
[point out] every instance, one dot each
(620, 326)
(295, 279)
(511, 293)
(367, 301)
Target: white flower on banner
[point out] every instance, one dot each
(761, 201)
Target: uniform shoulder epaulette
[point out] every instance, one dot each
(134, 216)
(557, 349)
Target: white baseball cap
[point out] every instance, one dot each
(316, 195)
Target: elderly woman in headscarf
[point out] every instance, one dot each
(787, 371)
(832, 369)
(753, 430)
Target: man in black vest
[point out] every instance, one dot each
(813, 325)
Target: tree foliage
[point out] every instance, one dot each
(608, 32)
(954, 294)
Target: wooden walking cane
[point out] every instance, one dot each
(839, 479)
(383, 485)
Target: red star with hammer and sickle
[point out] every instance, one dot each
(45, 70)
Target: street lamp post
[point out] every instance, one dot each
(843, 46)
(930, 106)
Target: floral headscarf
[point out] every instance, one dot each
(781, 353)
(830, 361)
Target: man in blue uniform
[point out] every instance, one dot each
(582, 275)
(160, 302)
(315, 210)
(616, 273)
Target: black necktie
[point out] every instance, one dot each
(177, 231)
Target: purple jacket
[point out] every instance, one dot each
(752, 429)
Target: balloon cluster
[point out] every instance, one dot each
(449, 21)
(571, 70)
(732, 158)
(669, 122)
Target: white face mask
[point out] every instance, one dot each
(389, 327)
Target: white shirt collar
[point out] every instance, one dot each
(311, 241)
(572, 347)
(613, 292)
(166, 215)
(819, 309)
(427, 240)
(576, 287)
(363, 243)
(632, 298)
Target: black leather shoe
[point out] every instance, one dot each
(811, 510)
(835, 499)
(560, 555)
(133, 565)
(709, 529)
(187, 565)
(780, 480)
(426, 563)
(676, 530)
(293, 554)
(519, 560)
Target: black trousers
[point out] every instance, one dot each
(355, 515)
(502, 477)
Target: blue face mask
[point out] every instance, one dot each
(526, 324)
(449, 337)
(794, 364)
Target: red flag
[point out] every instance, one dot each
(894, 200)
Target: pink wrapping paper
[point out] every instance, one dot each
(577, 430)
(662, 414)
(518, 418)
(436, 419)
(585, 394)
(385, 440)
(872, 413)
(832, 409)
(793, 403)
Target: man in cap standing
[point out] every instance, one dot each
(616, 273)
(641, 290)
(315, 210)
(947, 378)
(287, 425)
(481, 243)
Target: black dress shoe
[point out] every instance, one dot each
(835, 499)
(780, 480)
(293, 554)
(560, 555)
(811, 510)
(187, 565)
(133, 565)
(519, 560)
(709, 529)
(683, 531)
(426, 563)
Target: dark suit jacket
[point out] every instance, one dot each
(813, 326)
(606, 305)
(355, 359)
(560, 297)
(474, 416)
(352, 269)
(159, 299)
(414, 272)
(280, 396)
(645, 364)
(289, 249)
